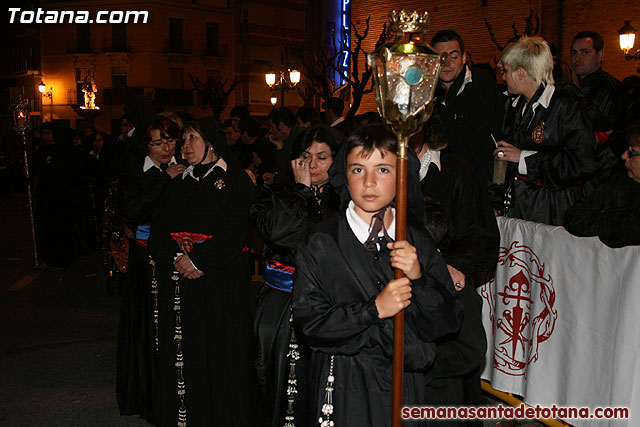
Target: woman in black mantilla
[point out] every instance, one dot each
(141, 188)
(198, 241)
(284, 217)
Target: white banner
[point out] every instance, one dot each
(563, 321)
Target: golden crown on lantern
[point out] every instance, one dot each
(410, 22)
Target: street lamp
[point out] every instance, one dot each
(627, 38)
(283, 80)
(42, 89)
(274, 101)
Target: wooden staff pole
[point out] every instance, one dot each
(398, 320)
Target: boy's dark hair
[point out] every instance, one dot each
(240, 111)
(250, 126)
(308, 115)
(372, 137)
(598, 42)
(282, 115)
(334, 104)
(447, 36)
(320, 133)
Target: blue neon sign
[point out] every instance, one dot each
(345, 11)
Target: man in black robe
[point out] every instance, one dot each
(468, 104)
(608, 96)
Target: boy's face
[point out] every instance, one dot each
(372, 181)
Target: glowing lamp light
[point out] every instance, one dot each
(294, 76)
(42, 87)
(274, 100)
(627, 36)
(270, 78)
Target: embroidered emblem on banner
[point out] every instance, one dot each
(522, 311)
(219, 184)
(538, 133)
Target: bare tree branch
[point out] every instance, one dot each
(492, 34)
(214, 92)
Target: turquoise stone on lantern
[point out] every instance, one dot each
(413, 75)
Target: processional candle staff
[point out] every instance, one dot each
(405, 75)
(22, 125)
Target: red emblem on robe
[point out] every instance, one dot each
(538, 133)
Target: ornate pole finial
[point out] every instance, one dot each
(410, 22)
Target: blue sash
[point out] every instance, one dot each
(142, 232)
(278, 279)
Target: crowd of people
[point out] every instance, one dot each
(185, 208)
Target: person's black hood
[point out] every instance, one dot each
(213, 134)
(415, 201)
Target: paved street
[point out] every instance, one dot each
(57, 336)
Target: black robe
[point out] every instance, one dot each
(470, 244)
(612, 213)
(606, 92)
(470, 117)
(140, 194)
(337, 281)
(284, 216)
(471, 241)
(564, 158)
(216, 309)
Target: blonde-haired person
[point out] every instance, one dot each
(546, 138)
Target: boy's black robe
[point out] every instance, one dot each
(336, 284)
